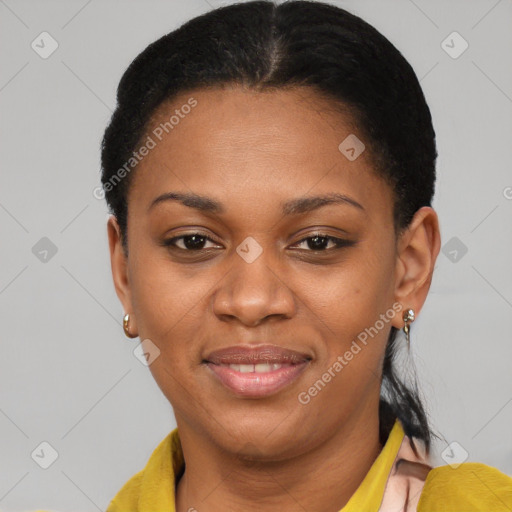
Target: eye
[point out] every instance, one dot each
(320, 242)
(189, 242)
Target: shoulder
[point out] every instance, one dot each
(469, 487)
(127, 497)
(155, 482)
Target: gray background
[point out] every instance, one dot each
(67, 373)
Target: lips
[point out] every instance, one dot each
(256, 372)
(253, 355)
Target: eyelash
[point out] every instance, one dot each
(339, 242)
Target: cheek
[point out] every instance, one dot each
(166, 296)
(355, 303)
(353, 308)
(168, 306)
(354, 293)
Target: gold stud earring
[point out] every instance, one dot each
(126, 321)
(408, 318)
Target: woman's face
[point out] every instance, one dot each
(251, 280)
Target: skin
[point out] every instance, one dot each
(251, 151)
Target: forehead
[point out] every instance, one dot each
(280, 143)
(234, 117)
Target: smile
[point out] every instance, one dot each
(256, 372)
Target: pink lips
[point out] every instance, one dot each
(256, 372)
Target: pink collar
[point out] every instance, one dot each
(406, 479)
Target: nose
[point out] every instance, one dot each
(253, 292)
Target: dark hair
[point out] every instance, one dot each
(265, 46)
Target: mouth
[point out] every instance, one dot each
(256, 372)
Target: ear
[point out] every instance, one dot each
(417, 251)
(119, 266)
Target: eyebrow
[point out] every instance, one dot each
(296, 206)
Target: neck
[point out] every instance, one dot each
(323, 478)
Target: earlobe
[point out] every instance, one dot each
(119, 267)
(418, 249)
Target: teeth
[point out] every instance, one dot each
(255, 368)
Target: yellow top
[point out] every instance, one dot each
(470, 487)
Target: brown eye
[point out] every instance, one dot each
(189, 242)
(320, 242)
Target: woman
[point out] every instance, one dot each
(270, 170)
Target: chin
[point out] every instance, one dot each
(262, 435)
